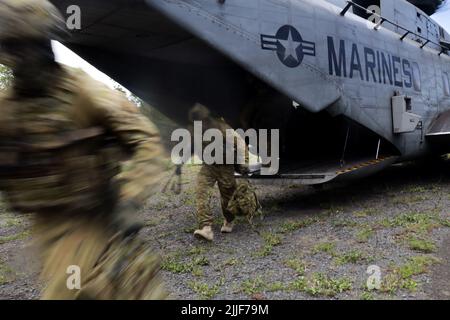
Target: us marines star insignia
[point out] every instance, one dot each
(289, 46)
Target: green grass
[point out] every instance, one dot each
(14, 237)
(407, 219)
(253, 286)
(276, 286)
(195, 251)
(416, 228)
(401, 277)
(291, 226)
(417, 265)
(417, 189)
(231, 262)
(159, 206)
(200, 261)
(365, 212)
(4, 272)
(353, 256)
(13, 222)
(264, 251)
(153, 222)
(415, 222)
(421, 245)
(204, 290)
(174, 264)
(189, 201)
(445, 222)
(297, 265)
(320, 284)
(299, 284)
(409, 199)
(363, 235)
(197, 272)
(409, 284)
(341, 223)
(190, 229)
(367, 296)
(325, 247)
(270, 240)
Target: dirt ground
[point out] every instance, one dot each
(311, 244)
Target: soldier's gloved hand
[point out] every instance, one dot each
(242, 169)
(125, 218)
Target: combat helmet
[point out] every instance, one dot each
(25, 22)
(30, 19)
(199, 113)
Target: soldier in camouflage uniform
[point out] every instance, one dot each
(62, 139)
(222, 174)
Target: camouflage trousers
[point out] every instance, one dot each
(110, 267)
(206, 180)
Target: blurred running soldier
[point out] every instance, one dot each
(62, 137)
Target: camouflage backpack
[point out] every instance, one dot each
(244, 201)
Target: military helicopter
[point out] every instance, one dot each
(353, 86)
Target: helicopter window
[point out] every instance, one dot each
(408, 102)
(417, 81)
(366, 4)
(446, 84)
(419, 30)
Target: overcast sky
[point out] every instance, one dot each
(443, 16)
(66, 56)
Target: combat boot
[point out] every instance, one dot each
(227, 227)
(205, 233)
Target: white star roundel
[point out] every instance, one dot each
(289, 46)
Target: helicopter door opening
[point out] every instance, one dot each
(366, 4)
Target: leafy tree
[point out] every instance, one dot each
(164, 124)
(428, 6)
(132, 97)
(5, 77)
